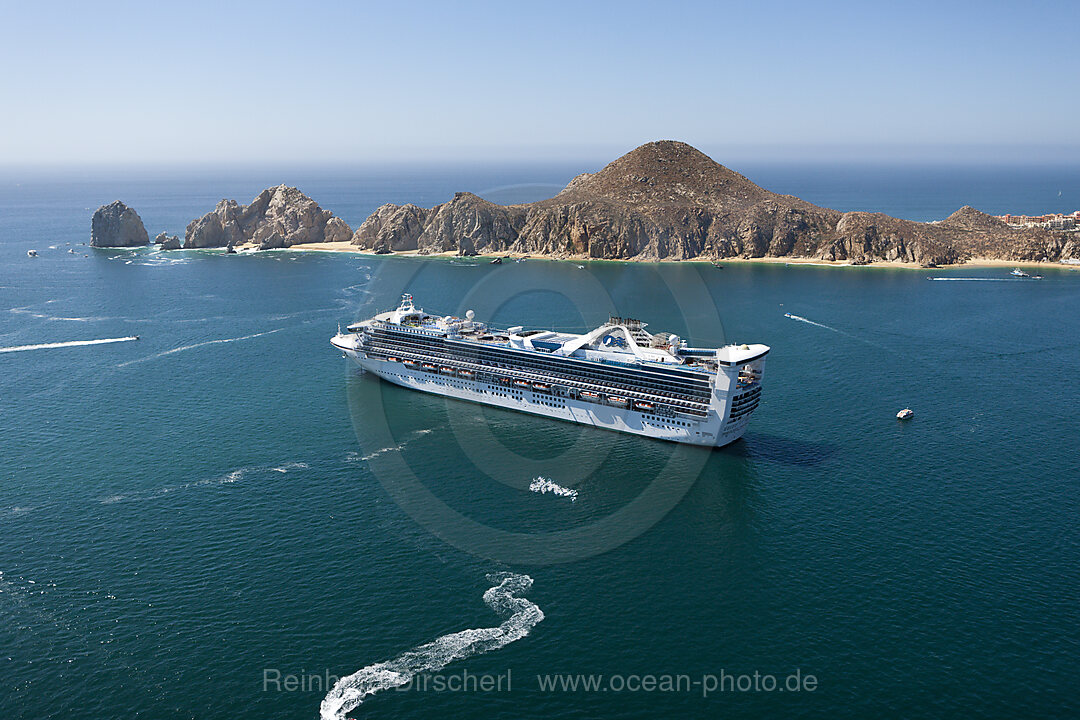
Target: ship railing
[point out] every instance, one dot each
(673, 396)
(697, 408)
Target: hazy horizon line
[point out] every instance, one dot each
(595, 156)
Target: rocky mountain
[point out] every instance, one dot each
(277, 218)
(667, 200)
(117, 225)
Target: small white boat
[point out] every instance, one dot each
(31, 253)
(1017, 272)
(905, 414)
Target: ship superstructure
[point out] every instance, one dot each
(618, 376)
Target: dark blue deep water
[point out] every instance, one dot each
(183, 516)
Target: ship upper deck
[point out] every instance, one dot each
(619, 342)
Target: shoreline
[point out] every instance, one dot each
(347, 247)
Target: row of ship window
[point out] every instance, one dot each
(692, 388)
(432, 368)
(587, 396)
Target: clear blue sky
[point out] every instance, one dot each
(356, 82)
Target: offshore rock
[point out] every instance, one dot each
(278, 217)
(165, 241)
(667, 200)
(117, 225)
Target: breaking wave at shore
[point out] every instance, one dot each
(521, 615)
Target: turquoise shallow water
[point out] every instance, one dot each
(224, 497)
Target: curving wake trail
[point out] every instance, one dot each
(521, 615)
(69, 343)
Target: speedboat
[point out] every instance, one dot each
(496, 261)
(905, 414)
(31, 253)
(1017, 272)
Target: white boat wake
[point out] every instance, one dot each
(521, 615)
(973, 279)
(811, 322)
(228, 478)
(352, 457)
(542, 485)
(69, 343)
(198, 345)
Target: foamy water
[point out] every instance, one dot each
(393, 448)
(521, 615)
(68, 343)
(228, 478)
(198, 345)
(542, 485)
(809, 322)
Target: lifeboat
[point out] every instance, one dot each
(589, 395)
(446, 370)
(617, 400)
(522, 383)
(643, 405)
(541, 386)
(504, 381)
(467, 373)
(392, 359)
(410, 363)
(428, 366)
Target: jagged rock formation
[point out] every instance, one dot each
(667, 200)
(117, 225)
(278, 217)
(165, 241)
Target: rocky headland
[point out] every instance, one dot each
(278, 217)
(662, 201)
(668, 201)
(117, 225)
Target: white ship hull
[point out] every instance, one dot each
(709, 431)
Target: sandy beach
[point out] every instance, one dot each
(812, 262)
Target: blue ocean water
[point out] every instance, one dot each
(186, 517)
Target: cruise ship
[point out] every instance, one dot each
(617, 377)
